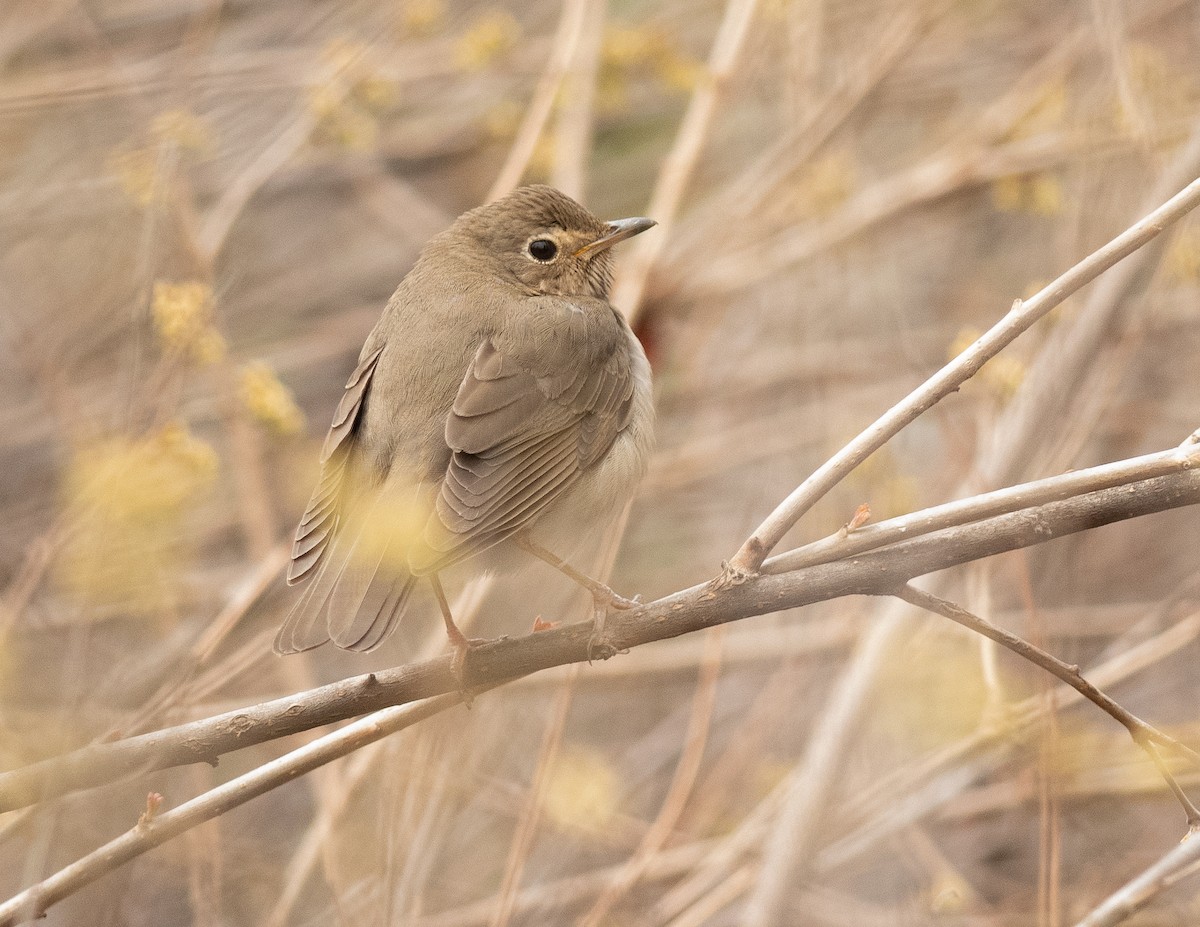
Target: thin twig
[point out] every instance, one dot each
(964, 511)
(1145, 735)
(1136, 893)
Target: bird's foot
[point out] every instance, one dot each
(540, 625)
(600, 647)
(462, 647)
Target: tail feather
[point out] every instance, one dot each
(379, 613)
(356, 595)
(304, 629)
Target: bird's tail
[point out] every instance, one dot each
(358, 594)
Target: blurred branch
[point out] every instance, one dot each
(531, 811)
(767, 172)
(983, 152)
(1021, 317)
(575, 126)
(874, 573)
(290, 134)
(562, 54)
(680, 162)
(1144, 735)
(1135, 894)
(686, 769)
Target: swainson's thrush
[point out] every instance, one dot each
(500, 409)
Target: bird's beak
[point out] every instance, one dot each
(617, 230)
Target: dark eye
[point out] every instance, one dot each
(542, 249)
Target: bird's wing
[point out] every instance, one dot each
(522, 430)
(323, 514)
(355, 593)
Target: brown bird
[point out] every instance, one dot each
(500, 408)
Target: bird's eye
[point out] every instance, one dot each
(543, 249)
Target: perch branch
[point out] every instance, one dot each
(875, 573)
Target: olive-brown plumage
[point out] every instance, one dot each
(500, 402)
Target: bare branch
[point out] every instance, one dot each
(1139, 891)
(964, 511)
(1022, 315)
(152, 830)
(1144, 735)
(874, 573)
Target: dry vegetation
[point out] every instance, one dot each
(204, 205)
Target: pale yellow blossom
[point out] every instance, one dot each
(126, 499)
(183, 317)
(493, 34)
(268, 400)
(582, 790)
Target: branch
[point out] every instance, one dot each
(495, 662)
(1022, 315)
(680, 162)
(1144, 735)
(963, 511)
(1137, 892)
(153, 829)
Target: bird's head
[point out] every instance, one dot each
(547, 241)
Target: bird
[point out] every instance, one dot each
(500, 410)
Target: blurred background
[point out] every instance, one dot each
(204, 206)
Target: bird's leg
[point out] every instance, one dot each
(458, 640)
(603, 597)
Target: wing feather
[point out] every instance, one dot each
(521, 431)
(320, 520)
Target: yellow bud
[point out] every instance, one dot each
(268, 400)
(582, 790)
(183, 128)
(1008, 193)
(625, 47)
(136, 169)
(424, 17)
(126, 500)
(541, 161)
(324, 100)
(679, 72)
(823, 186)
(493, 34)
(181, 310)
(503, 119)
(377, 92)
(1045, 195)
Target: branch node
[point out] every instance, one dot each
(749, 558)
(154, 802)
(730, 575)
